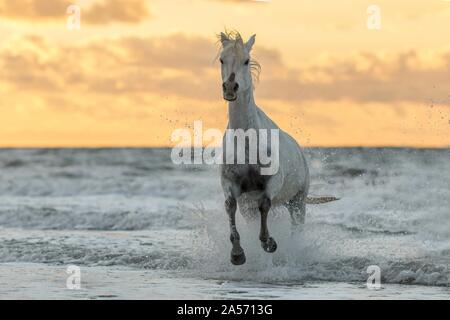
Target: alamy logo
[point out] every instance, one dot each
(374, 17)
(374, 280)
(74, 17)
(252, 146)
(73, 281)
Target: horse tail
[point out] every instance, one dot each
(319, 200)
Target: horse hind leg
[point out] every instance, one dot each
(297, 209)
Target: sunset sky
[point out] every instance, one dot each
(139, 69)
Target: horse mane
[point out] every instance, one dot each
(237, 43)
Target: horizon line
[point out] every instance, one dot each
(170, 147)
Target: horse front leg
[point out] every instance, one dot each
(237, 253)
(272, 189)
(267, 242)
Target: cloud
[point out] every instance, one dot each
(182, 66)
(98, 12)
(136, 90)
(125, 11)
(367, 77)
(34, 9)
(177, 65)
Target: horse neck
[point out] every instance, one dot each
(242, 111)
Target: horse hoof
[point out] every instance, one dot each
(238, 259)
(270, 245)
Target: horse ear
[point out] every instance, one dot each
(224, 38)
(249, 44)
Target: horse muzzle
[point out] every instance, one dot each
(230, 88)
(230, 91)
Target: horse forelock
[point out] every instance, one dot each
(236, 47)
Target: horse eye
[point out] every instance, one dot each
(221, 61)
(247, 62)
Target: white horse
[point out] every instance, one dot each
(290, 184)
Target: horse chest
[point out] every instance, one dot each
(248, 177)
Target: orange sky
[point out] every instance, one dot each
(139, 69)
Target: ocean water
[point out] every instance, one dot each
(140, 227)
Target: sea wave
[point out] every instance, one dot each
(134, 208)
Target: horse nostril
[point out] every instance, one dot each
(224, 86)
(236, 87)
